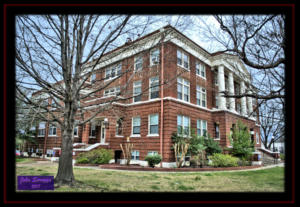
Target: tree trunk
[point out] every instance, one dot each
(65, 167)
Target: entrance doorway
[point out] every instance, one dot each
(118, 154)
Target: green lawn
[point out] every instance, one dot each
(92, 180)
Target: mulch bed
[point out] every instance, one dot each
(186, 169)
(86, 165)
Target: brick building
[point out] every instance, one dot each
(163, 82)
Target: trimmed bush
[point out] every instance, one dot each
(98, 156)
(82, 160)
(153, 160)
(222, 160)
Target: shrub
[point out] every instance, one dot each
(82, 160)
(221, 160)
(212, 146)
(98, 156)
(153, 160)
(282, 156)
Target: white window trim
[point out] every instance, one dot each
(201, 127)
(150, 88)
(218, 138)
(151, 63)
(199, 75)
(135, 58)
(133, 87)
(135, 135)
(42, 128)
(201, 95)
(111, 94)
(135, 152)
(116, 72)
(93, 137)
(182, 125)
(182, 59)
(257, 138)
(153, 135)
(52, 135)
(152, 153)
(182, 88)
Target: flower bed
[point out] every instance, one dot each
(141, 168)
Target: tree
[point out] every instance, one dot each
(242, 145)
(56, 58)
(180, 147)
(272, 123)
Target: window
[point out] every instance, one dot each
(93, 78)
(200, 69)
(201, 96)
(217, 131)
(119, 127)
(42, 128)
(135, 155)
(113, 71)
(257, 138)
(183, 125)
(112, 91)
(136, 125)
(154, 87)
(137, 91)
(138, 63)
(183, 89)
(52, 130)
(76, 131)
(152, 153)
(153, 124)
(93, 130)
(154, 56)
(202, 128)
(217, 101)
(182, 59)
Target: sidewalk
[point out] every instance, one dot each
(259, 168)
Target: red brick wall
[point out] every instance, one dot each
(171, 108)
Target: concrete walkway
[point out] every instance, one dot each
(260, 168)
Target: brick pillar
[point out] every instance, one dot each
(86, 133)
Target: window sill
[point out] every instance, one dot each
(120, 136)
(135, 135)
(92, 137)
(52, 135)
(153, 135)
(217, 139)
(109, 79)
(188, 69)
(201, 76)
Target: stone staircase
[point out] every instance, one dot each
(269, 157)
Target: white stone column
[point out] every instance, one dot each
(250, 105)
(221, 83)
(231, 91)
(243, 99)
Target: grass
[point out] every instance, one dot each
(95, 180)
